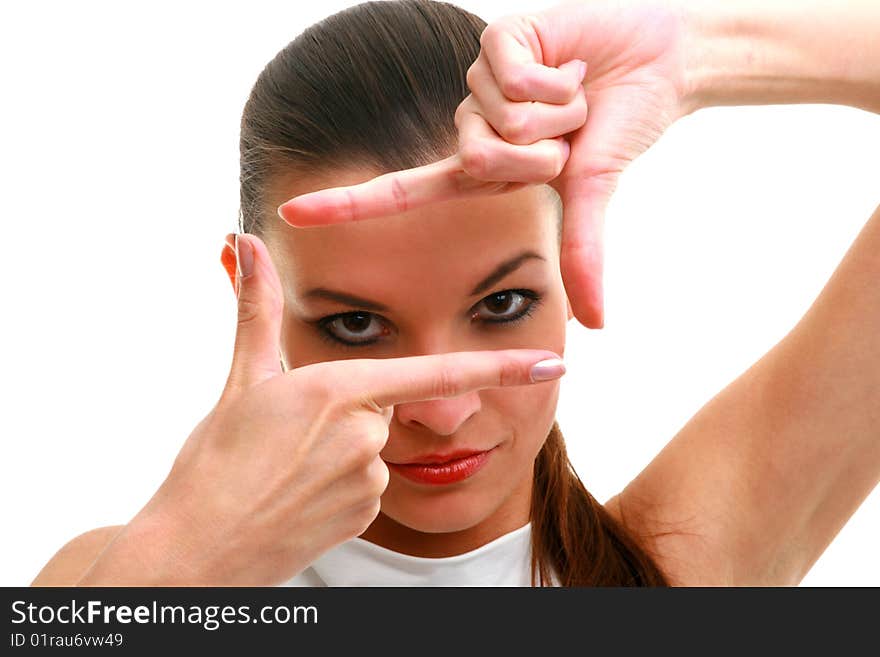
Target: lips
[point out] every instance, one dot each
(444, 472)
(435, 459)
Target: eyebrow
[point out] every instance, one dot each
(346, 299)
(502, 270)
(505, 268)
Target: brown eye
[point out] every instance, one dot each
(498, 303)
(355, 328)
(506, 306)
(356, 323)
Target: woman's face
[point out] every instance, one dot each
(464, 275)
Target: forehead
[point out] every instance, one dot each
(450, 244)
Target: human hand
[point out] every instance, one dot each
(534, 116)
(287, 464)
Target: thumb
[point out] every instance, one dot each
(581, 259)
(260, 303)
(600, 150)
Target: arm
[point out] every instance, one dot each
(812, 51)
(769, 471)
(68, 565)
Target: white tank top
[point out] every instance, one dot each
(504, 561)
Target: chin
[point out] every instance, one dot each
(436, 525)
(438, 516)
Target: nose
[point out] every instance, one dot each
(441, 416)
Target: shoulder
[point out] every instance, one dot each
(70, 562)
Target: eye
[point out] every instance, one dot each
(361, 328)
(355, 328)
(507, 306)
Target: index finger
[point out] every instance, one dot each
(389, 193)
(383, 382)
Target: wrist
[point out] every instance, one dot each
(144, 553)
(781, 52)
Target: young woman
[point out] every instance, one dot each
(412, 439)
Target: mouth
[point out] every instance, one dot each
(443, 468)
(440, 459)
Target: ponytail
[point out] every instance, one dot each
(574, 538)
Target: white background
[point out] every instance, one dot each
(119, 163)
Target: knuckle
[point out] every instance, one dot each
(367, 401)
(369, 444)
(377, 438)
(401, 199)
(509, 374)
(316, 386)
(364, 514)
(377, 478)
(362, 450)
(514, 125)
(248, 310)
(459, 112)
(471, 76)
(489, 34)
(514, 85)
(251, 310)
(348, 208)
(446, 384)
(475, 158)
(496, 31)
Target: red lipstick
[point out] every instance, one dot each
(442, 469)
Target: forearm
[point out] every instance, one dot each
(783, 51)
(143, 553)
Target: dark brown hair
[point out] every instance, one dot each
(377, 86)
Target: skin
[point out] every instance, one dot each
(394, 260)
(753, 489)
(757, 484)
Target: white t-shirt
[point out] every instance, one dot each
(505, 561)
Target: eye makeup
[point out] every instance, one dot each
(524, 300)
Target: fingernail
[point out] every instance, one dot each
(546, 370)
(244, 256)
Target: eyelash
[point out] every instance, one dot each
(325, 334)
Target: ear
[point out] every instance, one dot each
(228, 260)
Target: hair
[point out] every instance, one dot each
(377, 86)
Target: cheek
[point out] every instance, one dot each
(528, 412)
(548, 329)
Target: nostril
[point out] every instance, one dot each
(442, 417)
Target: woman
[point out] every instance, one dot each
(751, 491)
